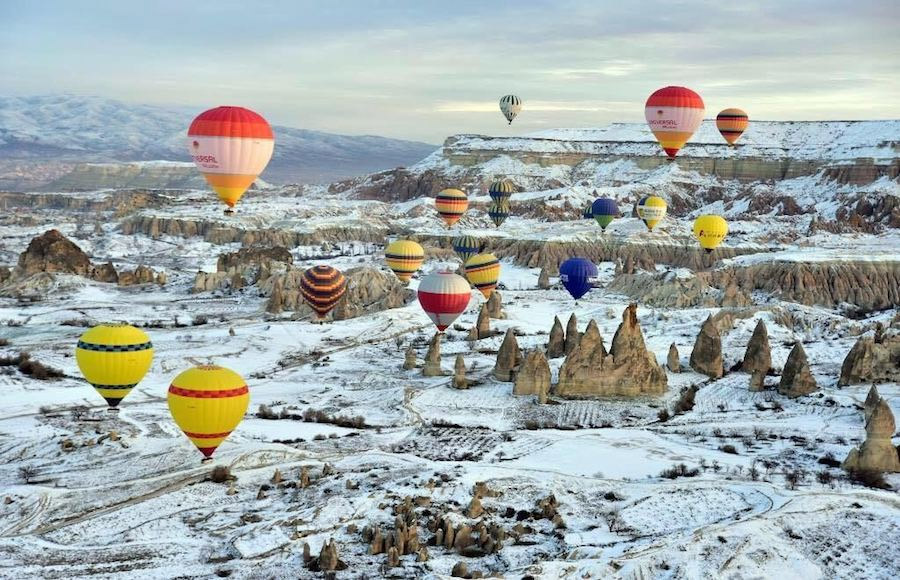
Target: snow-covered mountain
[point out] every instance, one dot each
(65, 128)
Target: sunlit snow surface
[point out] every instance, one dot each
(140, 507)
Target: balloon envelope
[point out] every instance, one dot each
(466, 247)
(501, 189)
(710, 230)
(444, 296)
(673, 114)
(322, 288)
(651, 210)
(114, 358)
(604, 210)
(732, 123)
(404, 258)
(230, 146)
(451, 204)
(483, 271)
(510, 106)
(498, 212)
(207, 403)
(578, 275)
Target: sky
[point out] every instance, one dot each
(425, 69)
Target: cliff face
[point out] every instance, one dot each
(150, 175)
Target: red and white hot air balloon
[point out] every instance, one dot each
(673, 114)
(444, 296)
(230, 146)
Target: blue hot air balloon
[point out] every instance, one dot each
(578, 275)
(604, 210)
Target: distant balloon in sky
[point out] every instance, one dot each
(510, 106)
(498, 211)
(501, 190)
(732, 123)
(466, 247)
(673, 114)
(404, 257)
(231, 146)
(578, 275)
(451, 204)
(651, 210)
(604, 210)
(710, 230)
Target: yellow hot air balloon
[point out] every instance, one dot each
(404, 258)
(114, 358)
(710, 230)
(207, 403)
(483, 271)
(451, 204)
(651, 210)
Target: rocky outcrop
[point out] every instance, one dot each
(706, 358)
(757, 381)
(629, 369)
(482, 327)
(459, 373)
(494, 306)
(871, 402)
(544, 279)
(557, 345)
(106, 273)
(758, 356)
(432, 367)
(253, 256)
(872, 360)
(533, 377)
(409, 360)
(572, 335)
(53, 252)
(509, 357)
(673, 359)
(876, 453)
(797, 379)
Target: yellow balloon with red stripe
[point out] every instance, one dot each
(207, 403)
(114, 358)
(451, 204)
(404, 258)
(483, 271)
(231, 146)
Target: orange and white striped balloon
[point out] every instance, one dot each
(230, 146)
(732, 123)
(673, 114)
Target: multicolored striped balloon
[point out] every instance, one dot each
(732, 123)
(501, 189)
(207, 403)
(466, 247)
(231, 146)
(483, 271)
(114, 358)
(604, 210)
(322, 288)
(498, 211)
(451, 204)
(673, 114)
(404, 258)
(651, 210)
(444, 296)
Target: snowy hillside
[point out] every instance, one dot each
(74, 128)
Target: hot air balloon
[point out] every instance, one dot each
(498, 211)
(451, 204)
(322, 288)
(483, 271)
(673, 113)
(732, 123)
(404, 258)
(604, 210)
(467, 246)
(651, 210)
(501, 190)
(578, 275)
(207, 403)
(444, 296)
(114, 358)
(230, 146)
(588, 212)
(510, 105)
(710, 230)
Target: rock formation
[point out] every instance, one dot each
(629, 369)
(706, 358)
(106, 273)
(876, 453)
(409, 360)
(673, 360)
(797, 379)
(275, 305)
(432, 366)
(494, 306)
(871, 402)
(533, 377)
(483, 324)
(328, 559)
(53, 252)
(508, 358)
(544, 279)
(758, 356)
(871, 360)
(572, 334)
(557, 345)
(459, 373)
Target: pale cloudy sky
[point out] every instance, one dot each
(427, 69)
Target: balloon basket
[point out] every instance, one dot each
(229, 211)
(206, 460)
(112, 410)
